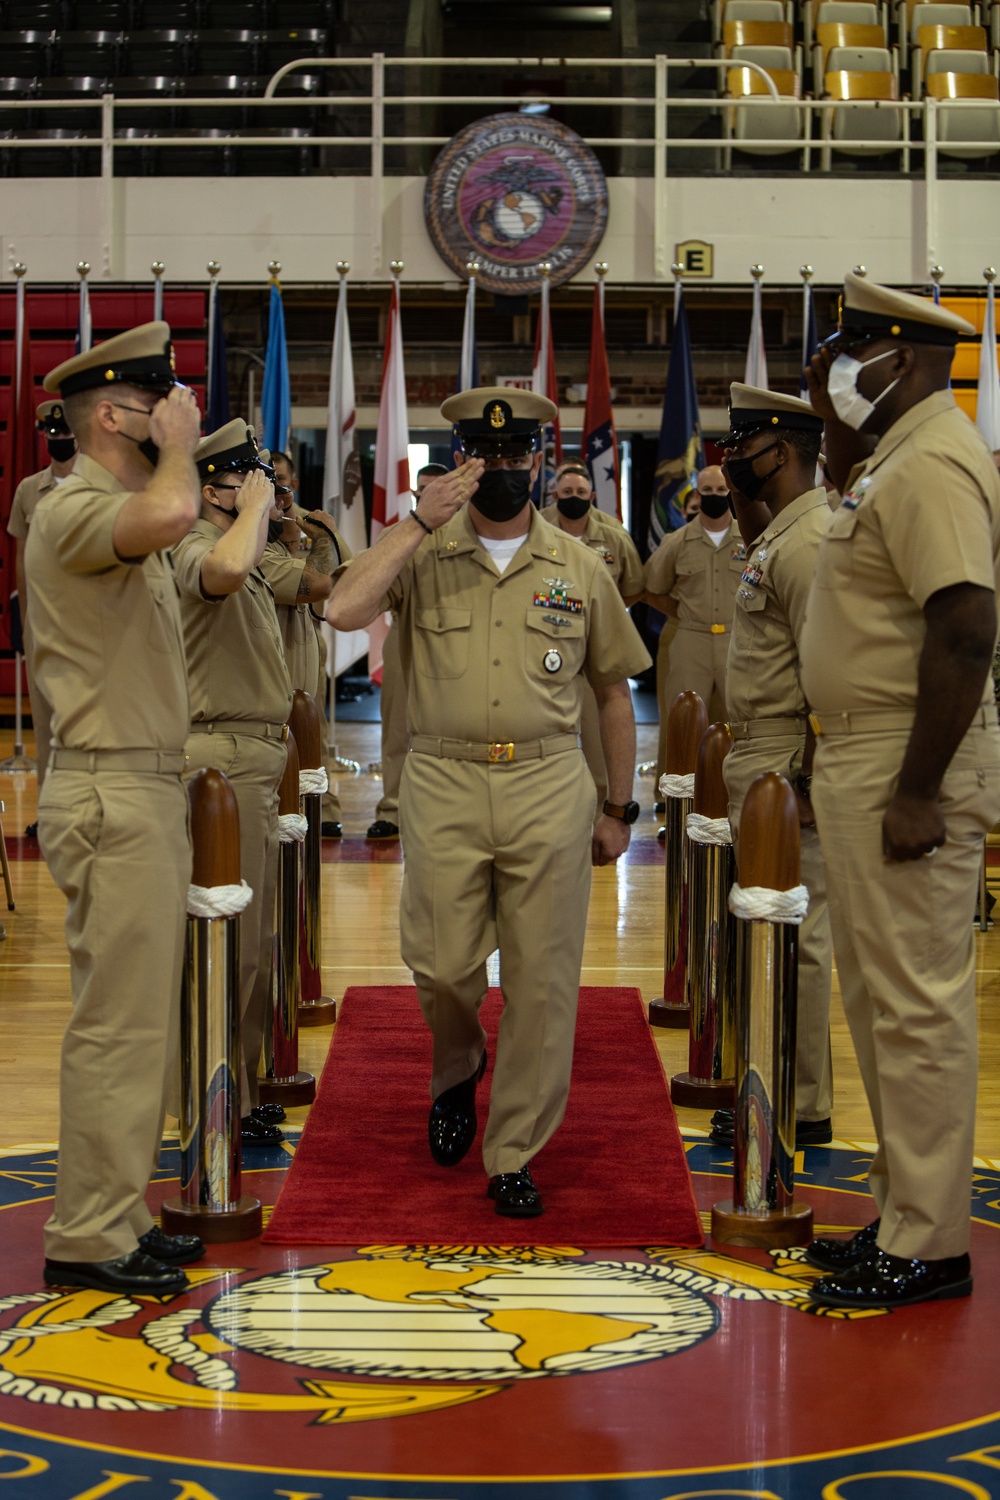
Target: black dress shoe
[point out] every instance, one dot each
(813, 1133)
(884, 1280)
(135, 1272)
(271, 1114)
(171, 1249)
(31, 832)
(659, 808)
(515, 1195)
(331, 830)
(722, 1130)
(382, 829)
(839, 1255)
(451, 1125)
(661, 834)
(254, 1132)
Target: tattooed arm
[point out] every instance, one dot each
(316, 582)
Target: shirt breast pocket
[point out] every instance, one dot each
(554, 646)
(441, 641)
(835, 560)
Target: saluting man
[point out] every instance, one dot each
(501, 617)
(896, 654)
(109, 656)
(241, 696)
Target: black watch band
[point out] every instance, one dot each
(626, 811)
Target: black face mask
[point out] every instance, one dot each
(62, 449)
(744, 477)
(274, 530)
(572, 507)
(502, 493)
(714, 506)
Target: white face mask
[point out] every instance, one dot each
(851, 407)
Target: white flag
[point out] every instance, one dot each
(988, 402)
(756, 371)
(84, 327)
(342, 493)
(392, 497)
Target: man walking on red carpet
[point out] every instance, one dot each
(501, 617)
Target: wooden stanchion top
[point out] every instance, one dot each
(215, 829)
(303, 721)
(710, 796)
(769, 835)
(686, 723)
(288, 790)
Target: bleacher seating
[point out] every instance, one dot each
(155, 52)
(963, 40)
(79, 52)
(862, 88)
(783, 128)
(927, 13)
(833, 34)
(973, 115)
(27, 54)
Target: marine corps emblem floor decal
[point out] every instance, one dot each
(457, 1372)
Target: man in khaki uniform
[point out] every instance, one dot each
(299, 579)
(109, 656)
(692, 578)
(61, 443)
(241, 697)
(764, 692)
(500, 616)
(574, 510)
(896, 653)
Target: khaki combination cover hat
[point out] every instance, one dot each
(752, 410)
(233, 447)
(142, 357)
(51, 418)
(868, 309)
(498, 414)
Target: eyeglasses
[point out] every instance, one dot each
(144, 411)
(234, 487)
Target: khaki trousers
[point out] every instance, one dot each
(903, 938)
(116, 843)
(395, 734)
(327, 686)
(697, 664)
(255, 768)
(499, 856)
(662, 703)
(813, 1063)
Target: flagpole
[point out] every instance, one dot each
(157, 269)
(213, 268)
(333, 487)
(756, 367)
(937, 276)
(988, 395)
(18, 761)
(467, 377)
(84, 328)
(806, 272)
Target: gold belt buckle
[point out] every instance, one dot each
(815, 725)
(497, 752)
(718, 629)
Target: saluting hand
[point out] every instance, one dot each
(176, 421)
(817, 373)
(911, 828)
(256, 492)
(448, 493)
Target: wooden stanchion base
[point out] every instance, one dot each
(702, 1093)
(319, 1012)
(244, 1222)
(762, 1231)
(665, 1013)
(288, 1091)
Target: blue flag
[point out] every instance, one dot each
(810, 340)
(680, 452)
(276, 394)
(217, 384)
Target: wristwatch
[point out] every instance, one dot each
(803, 785)
(627, 812)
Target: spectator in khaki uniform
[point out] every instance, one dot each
(896, 651)
(113, 812)
(764, 691)
(241, 697)
(500, 617)
(61, 444)
(574, 510)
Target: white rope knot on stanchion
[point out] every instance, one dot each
(313, 781)
(702, 830)
(677, 786)
(218, 900)
(757, 903)
(292, 827)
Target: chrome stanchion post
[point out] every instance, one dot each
(687, 721)
(769, 902)
(315, 1008)
(211, 1203)
(711, 945)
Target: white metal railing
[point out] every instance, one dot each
(114, 114)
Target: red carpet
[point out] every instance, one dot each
(613, 1174)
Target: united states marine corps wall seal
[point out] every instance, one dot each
(512, 191)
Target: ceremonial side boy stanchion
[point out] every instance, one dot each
(315, 1008)
(210, 1203)
(711, 939)
(687, 721)
(769, 903)
(285, 1084)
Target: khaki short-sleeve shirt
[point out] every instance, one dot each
(283, 572)
(26, 497)
(920, 515)
(762, 672)
(702, 577)
(108, 645)
(491, 657)
(612, 543)
(236, 659)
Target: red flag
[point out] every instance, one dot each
(391, 498)
(543, 383)
(599, 445)
(19, 453)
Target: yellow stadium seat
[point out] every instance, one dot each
(862, 117)
(830, 34)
